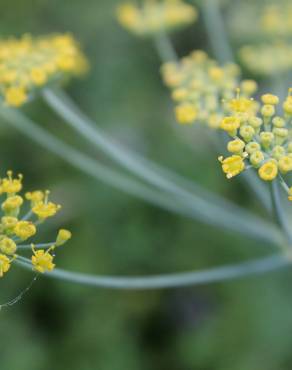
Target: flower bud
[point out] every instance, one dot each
(62, 237)
(281, 135)
(247, 132)
(278, 152)
(236, 146)
(270, 99)
(256, 158)
(266, 139)
(285, 164)
(268, 110)
(278, 122)
(252, 147)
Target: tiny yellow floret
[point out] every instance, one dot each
(270, 99)
(4, 264)
(186, 113)
(35, 196)
(236, 146)
(285, 164)
(12, 204)
(249, 87)
(42, 260)
(15, 96)
(63, 236)
(8, 224)
(268, 171)
(7, 246)
(232, 166)
(24, 229)
(268, 110)
(45, 210)
(230, 125)
(9, 185)
(256, 158)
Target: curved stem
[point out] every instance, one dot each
(280, 216)
(133, 162)
(227, 214)
(89, 166)
(208, 276)
(230, 218)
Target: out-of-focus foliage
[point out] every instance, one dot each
(264, 29)
(231, 326)
(154, 16)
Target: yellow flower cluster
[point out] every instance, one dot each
(276, 19)
(155, 16)
(262, 141)
(28, 63)
(267, 58)
(14, 230)
(200, 86)
(265, 29)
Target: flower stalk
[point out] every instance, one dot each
(278, 210)
(229, 217)
(208, 276)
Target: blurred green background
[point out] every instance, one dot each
(240, 325)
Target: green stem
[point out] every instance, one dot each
(280, 216)
(208, 276)
(164, 48)
(231, 217)
(142, 167)
(89, 166)
(216, 31)
(37, 246)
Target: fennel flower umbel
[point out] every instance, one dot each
(16, 229)
(28, 63)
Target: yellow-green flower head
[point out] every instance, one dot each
(261, 139)
(200, 88)
(17, 226)
(28, 63)
(261, 20)
(154, 16)
(276, 19)
(267, 58)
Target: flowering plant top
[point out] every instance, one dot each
(14, 229)
(200, 86)
(28, 63)
(260, 140)
(154, 16)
